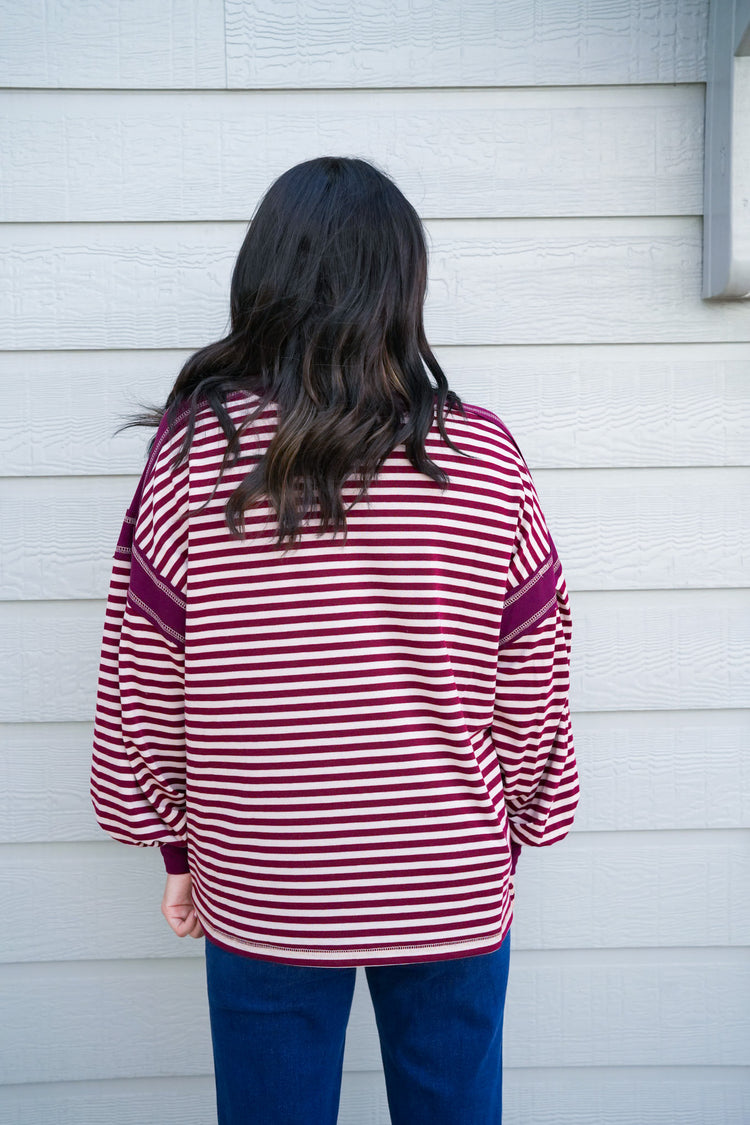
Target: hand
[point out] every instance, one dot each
(177, 906)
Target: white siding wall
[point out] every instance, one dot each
(555, 153)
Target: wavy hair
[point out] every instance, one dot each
(326, 303)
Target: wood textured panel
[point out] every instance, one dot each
(491, 282)
(578, 1095)
(638, 772)
(122, 1019)
(175, 1100)
(615, 529)
(632, 650)
(179, 1100)
(633, 1008)
(482, 43)
(585, 892)
(294, 44)
(568, 406)
(660, 649)
(695, 1095)
(161, 1025)
(125, 43)
(454, 153)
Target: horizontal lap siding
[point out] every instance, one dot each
(568, 405)
(607, 871)
(617, 529)
(492, 281)
(698, 1093)
(634, 650)
(455, 153)
(484, 43)
(336, 43)
(555, 153)
(626, 764)
(673, 1008)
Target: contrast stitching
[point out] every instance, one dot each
(162, 584)
(529, 583)
(520, 628)
(155, 617)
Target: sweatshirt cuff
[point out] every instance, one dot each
(515, 851)
(175, 858)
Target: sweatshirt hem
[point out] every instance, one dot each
(354, 956)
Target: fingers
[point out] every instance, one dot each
(177, 896)
(190, 926)
(193, 924)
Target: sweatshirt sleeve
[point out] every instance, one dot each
(138, 765)
(531, 727)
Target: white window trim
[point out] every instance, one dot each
(726, 181)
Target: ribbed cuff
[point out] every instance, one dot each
(175, 858)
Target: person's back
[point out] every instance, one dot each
(342, 723)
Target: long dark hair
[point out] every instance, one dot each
(326, 305)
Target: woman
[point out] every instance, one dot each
(334, 676)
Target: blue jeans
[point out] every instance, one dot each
(278, 1036)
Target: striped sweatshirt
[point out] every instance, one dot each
(345, 743)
